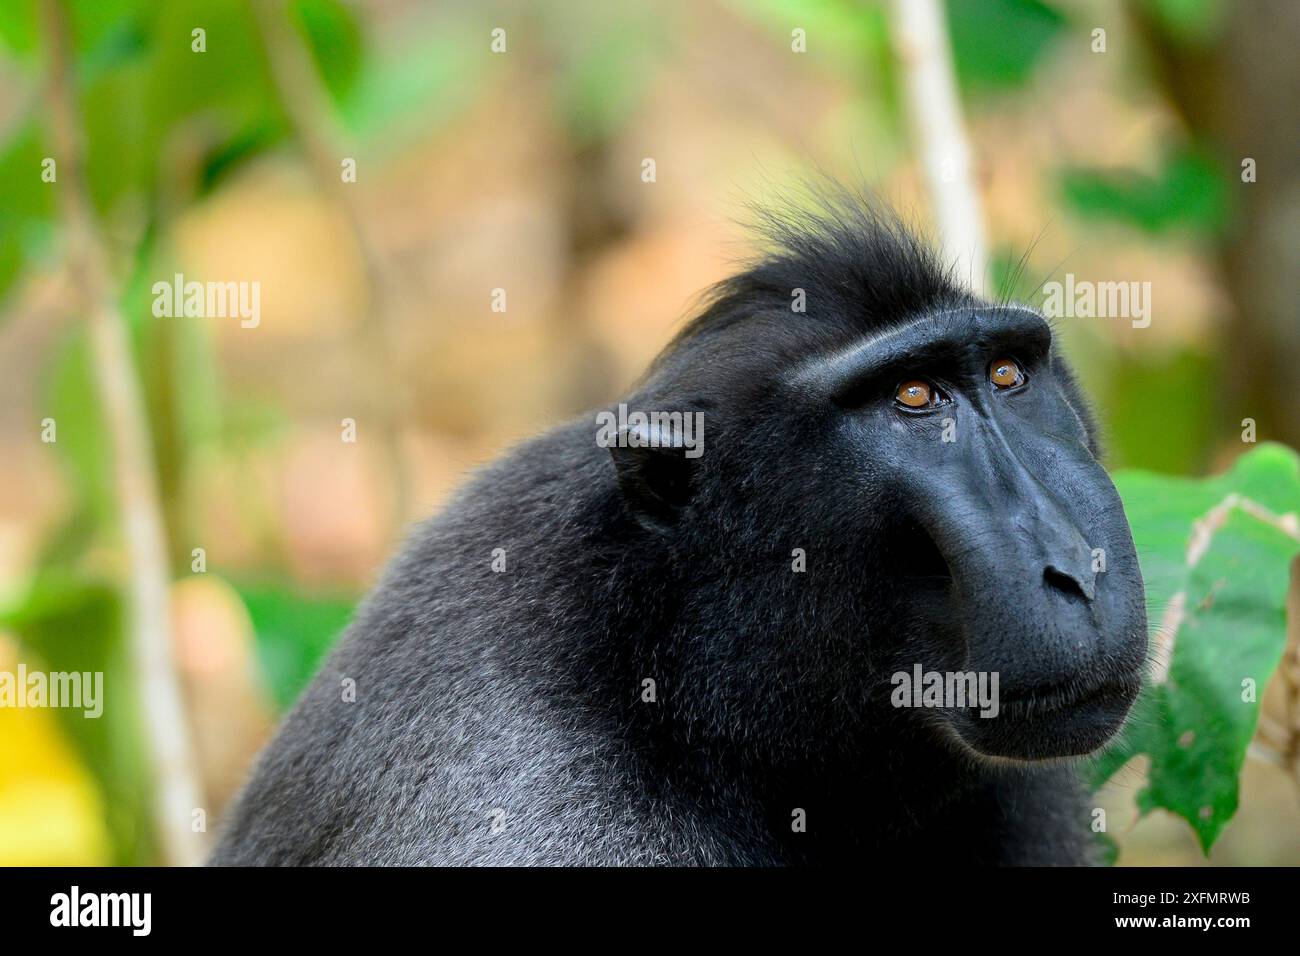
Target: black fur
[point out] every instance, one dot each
(499, 716)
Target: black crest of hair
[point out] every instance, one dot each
(631, 652)
(867, 268)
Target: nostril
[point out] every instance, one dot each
(1065, 583)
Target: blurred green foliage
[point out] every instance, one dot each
(1187, 192)
(997, 43)
(294, 632)
(1222, 546)
(72, 622)
(162, 127)
(1190, 22)
(1145, 431)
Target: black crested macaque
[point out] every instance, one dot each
(638, 643)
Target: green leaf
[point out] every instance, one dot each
(1215, 557)
(1187, 192)
(294, 632)
(27, 221)
(1106, 848)
(74, 623)
(154, 110)
(1143, 434)
(18, 26)
(334, 39)
(997, 43)
(1193, 23)
(122, 42)
(417, 81)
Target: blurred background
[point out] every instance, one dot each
(520, 169)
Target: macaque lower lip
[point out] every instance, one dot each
(1064, 696)
(1023, 731)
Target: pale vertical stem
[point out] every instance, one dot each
(175, 790)
(920, 32)
(303, 95)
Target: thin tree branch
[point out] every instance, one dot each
(304, 98)
(921, 40)
(175, 790)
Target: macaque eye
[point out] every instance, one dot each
(918, 394)
(1006, 373)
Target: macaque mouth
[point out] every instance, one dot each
(1066, 720)
(1070, 695)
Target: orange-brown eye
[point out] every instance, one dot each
(914, 394)
(1006, 373)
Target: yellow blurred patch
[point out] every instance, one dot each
(51, 811)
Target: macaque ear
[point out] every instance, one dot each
(654, 474)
